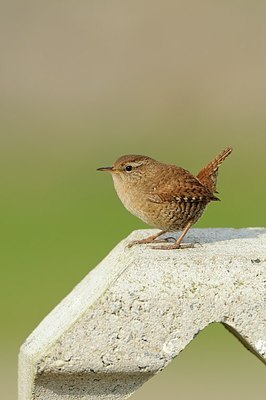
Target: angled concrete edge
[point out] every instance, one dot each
(139, 308)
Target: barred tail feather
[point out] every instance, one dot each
(208, 175)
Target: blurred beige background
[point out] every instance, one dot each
(82, 83)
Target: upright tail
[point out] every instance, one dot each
(208, 175)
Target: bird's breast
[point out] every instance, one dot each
(134, 200)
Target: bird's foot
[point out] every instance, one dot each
(142, 241)
(151, 239)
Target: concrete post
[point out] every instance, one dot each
(139, 308)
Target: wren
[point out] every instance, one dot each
(164, 196)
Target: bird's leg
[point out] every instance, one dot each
(149, 239)
(177, 244)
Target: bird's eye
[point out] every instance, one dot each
(129, 168)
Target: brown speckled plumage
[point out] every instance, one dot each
(164, 196)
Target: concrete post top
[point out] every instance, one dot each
(140, 307)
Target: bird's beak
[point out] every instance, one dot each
(108, 169)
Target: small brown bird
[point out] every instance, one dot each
(164, 196)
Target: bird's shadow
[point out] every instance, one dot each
(210, 235)
(213, 235)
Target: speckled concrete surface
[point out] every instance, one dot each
(139, 308)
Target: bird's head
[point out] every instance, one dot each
(130, 169)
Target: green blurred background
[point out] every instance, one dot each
(82, 83)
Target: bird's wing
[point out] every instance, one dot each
(180, 186)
